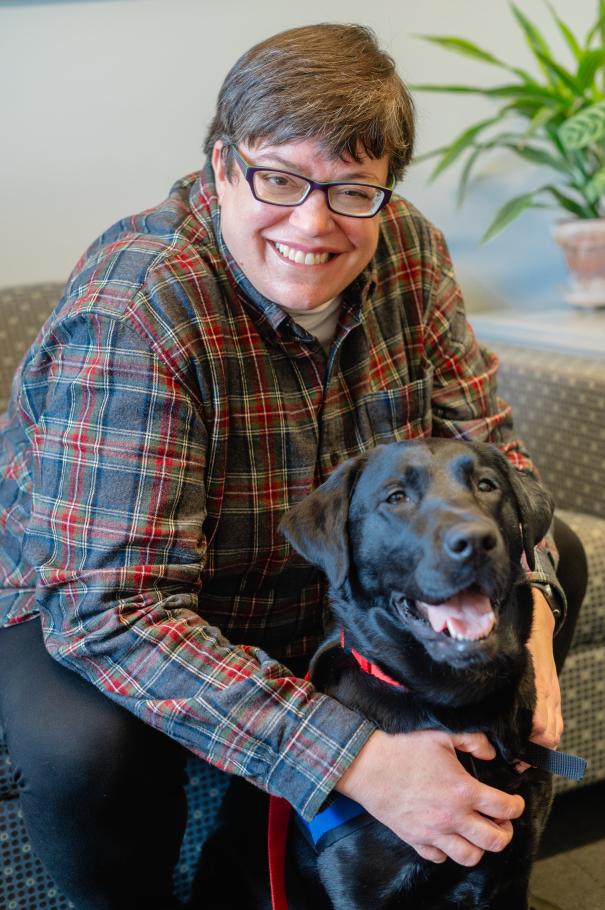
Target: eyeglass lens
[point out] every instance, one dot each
(287, 189)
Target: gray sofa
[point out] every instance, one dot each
(555, 401)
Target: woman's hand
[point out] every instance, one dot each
(415, 784)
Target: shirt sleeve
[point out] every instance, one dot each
(117, 535)
(466, 405)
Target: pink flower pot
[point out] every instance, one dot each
(582, 242)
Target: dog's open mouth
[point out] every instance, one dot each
(466, 616)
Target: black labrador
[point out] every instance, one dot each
(422, 544)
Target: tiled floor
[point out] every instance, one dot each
(571, 872)
(574, 880)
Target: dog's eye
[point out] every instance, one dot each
(486, 485)
(397, 496)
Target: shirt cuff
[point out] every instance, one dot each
(306, 772)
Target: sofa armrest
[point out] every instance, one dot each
(558, 406)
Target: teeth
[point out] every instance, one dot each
(300, 257)
(459, 637)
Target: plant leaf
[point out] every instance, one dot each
(460, 144)
(534, 92)
(570, 205)
(591, 62)
(597, 27)
(418, 159)
(462, 46)
(529, 108)
(457, 89)
(510, 211)
(558, 72)
(596, 186)
(470, 49)
(584, 128)
(538, 122)
(552, 128)
(466, 173)
(537, 156)
(531, 92)
(570, 38)
(534, 39)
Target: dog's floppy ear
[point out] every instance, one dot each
(536, 507)
(535, 504)
(317, 526)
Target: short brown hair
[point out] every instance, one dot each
(330, 83)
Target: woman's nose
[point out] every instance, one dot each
(313, 216)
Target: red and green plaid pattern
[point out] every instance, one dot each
(164, 420)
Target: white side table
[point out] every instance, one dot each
(560, 328)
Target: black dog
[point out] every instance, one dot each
(422, 544)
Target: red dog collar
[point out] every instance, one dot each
(368, 667)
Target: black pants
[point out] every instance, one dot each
(102, 792)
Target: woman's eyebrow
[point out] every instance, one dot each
(289, 166)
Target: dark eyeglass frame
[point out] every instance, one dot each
(249, 170)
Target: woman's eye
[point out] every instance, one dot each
(353, 192)
(486, 485)
(397, 496)
(276, 180)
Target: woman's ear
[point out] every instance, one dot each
(219, 168)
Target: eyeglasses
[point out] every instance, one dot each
(357, 200)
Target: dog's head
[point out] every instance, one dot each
(422, 542)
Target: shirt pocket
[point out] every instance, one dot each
(400, 413)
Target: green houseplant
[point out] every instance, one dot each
(554, 119)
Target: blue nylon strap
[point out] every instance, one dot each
(561, 763)
(340, 817)
(341, 810)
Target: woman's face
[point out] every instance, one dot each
(333, 248)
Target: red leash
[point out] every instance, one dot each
(279, 817)
(280, 809)
(277, 841)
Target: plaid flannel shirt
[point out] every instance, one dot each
(161, 424)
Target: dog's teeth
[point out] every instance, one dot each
(454, 633)
(459, 637)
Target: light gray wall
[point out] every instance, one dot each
(104, 104)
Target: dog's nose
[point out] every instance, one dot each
(464, 541)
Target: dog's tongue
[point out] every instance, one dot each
(468, 615)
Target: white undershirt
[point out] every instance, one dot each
(321, 321)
